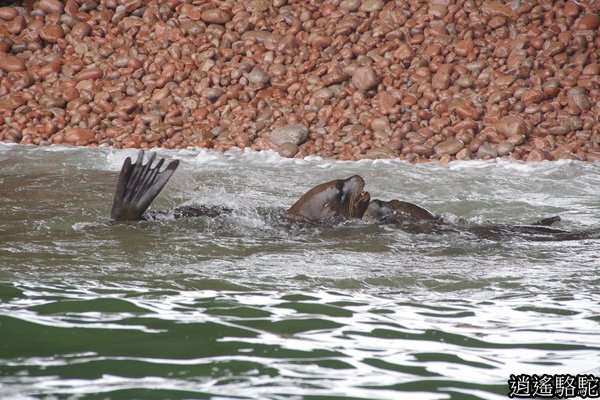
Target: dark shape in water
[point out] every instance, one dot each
(140, 183)
(415, 219)
(330, 202)
(333, 201)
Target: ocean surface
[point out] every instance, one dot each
(244, 307)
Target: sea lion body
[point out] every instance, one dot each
(416, 219)
(332, 201)
(408, 216)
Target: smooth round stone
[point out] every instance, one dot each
(81, 30)
(52, 6)
(9, 63)
(371, 5)
(8, 13)
(52, 33)
(512, 125)
(79, 135)
(487, 150)
(213, 94)
(450, 146)
(287, 149)
(257, 75)
(293, 133)
(504, 148)
(215, 16)
(365, 78)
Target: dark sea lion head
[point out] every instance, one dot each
(378, 211)
(396, 211)
(335, 200)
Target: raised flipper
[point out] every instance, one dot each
(138, 185)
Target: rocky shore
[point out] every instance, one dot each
(344, 79)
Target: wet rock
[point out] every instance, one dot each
(335, 76)
(538, 155)
(450, 146)
(78, 136)
(51, 6)
(532, 96)
(487, 151)
(512, 125)
(516, 139)
(213, 94)
(215, 16)
(464, 109)
(52, 33)
(589, 21)
(380, 152)
(89, 74)
(294, 133)
(504, 148)
(495, 8)
(464, 154)
(81, 30)
(572, 9)
(8, 13)
(10, 63)
(350, 5)
(258, 5)
(11, 102)
(257, 75)
(52, 102)
(465, 81)
(422, 150)
(127, 106)
(287, 149)
(441, 79)
(365, 78)
(371, 5)
(384, 101)
(579, 97)
(132, 5)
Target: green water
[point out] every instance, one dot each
(244, 307)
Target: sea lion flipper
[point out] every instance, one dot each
(138, 186)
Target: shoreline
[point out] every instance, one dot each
(342, 80)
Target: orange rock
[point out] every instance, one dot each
(52, 6)
(52, 33)
(215, 16)
(512, 125)
(538, 155)
(450, 146)
(78, 136)
(532, 96)
(589, 21)
(572, 9)
(89, 74)
(365, 78)
(8, 13)
(10, 63)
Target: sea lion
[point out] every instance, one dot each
(140, 183)
(333, 201)
(416, 219)
(330, 202)
(407, 216)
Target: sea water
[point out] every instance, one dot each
(242, 306)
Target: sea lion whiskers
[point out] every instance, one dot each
(354, 188)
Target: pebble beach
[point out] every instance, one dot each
(431, 80)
